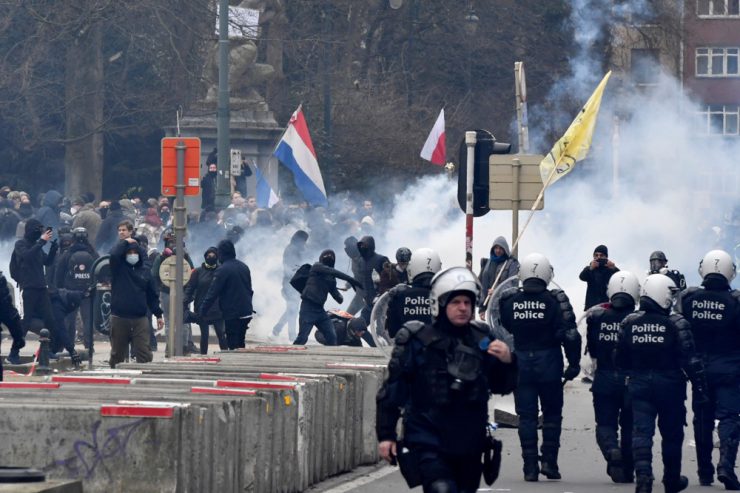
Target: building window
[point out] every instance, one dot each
(645, 66)
(717, 62)
(718, 8)
(719, 119)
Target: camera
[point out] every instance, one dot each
(602, 261)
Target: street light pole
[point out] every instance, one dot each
(223, 187)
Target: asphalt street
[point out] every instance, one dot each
(581, 464)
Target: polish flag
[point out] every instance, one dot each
(434, 148)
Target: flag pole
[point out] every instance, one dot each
(470, 141)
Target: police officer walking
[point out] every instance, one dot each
(441, 374)
(659, 265)
(656, 348)
(540, 321)
(612, 407)
(714, 314)
(411, 302)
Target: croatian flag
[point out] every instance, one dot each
(434, 148)
(266, 196)
(295, 151)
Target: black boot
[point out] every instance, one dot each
(726, 466)
(676, 485)
(644, 484)
(549, 466)
(531, 468)
(615, 466)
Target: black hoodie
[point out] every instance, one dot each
(232, 285)
(29, 252)
(132, 288)
(371, 262)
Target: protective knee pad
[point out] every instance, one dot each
(443, 486)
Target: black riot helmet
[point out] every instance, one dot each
(80, 235)
(657, 261)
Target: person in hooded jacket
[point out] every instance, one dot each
(48, 213)
(292, 259)
(30, 255)
(132, 292)
(356, 265)
(612, 407)
(232, 288)
(370, 270)
(108, 231)
(196, 289)
(500, 265)
(208, 187)
(322, 281)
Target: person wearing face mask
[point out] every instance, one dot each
(196, 289)
(132, 292)
(208, 187)
(322, 281)
(232, 287)
(370, 271)
(31, 259)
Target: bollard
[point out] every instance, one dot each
(43, 368)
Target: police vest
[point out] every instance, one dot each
(713, 318)
(532, 319)
(652, 341)
(408, 303)
(603, 329)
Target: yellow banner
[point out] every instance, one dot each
(573, 146)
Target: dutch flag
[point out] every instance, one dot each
(266, 196)
(296, 151)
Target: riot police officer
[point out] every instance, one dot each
(656, 348)
(659, 265)
(612, 408)
(411, 302)
(540, 321)
(441, 374)
(714, 313)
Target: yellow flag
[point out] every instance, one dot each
(573, 146)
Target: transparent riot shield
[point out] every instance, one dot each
(493, 316)
(377, 324)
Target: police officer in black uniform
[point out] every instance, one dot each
(656, 348)
(540, 321)
(441, 374)
(659, 265)
(408, 302)
(612, 408)
(714, 314)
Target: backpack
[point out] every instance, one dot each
(15, 267)
(298, 281)
(79, 270)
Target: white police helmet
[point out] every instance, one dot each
(659, 288)
(536, 266)
(717, 262)
(454, 279)
(624, 282)
(423, 260)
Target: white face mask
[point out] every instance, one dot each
(132, 258)
(74, 210)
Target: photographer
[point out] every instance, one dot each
(596, 275)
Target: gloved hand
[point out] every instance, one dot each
(571, 372)
(75, 357)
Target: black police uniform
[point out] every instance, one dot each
(409, 302)
(612, 408)
(444, 419)
(656, 348)
(714, 314)
(540, 322)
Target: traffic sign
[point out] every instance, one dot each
(509, 184)
(169, 165)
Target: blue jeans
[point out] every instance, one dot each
(312, 314)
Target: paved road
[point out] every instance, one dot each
(581, 464)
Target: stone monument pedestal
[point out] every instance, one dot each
(253, 130)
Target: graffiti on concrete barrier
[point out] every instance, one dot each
(93, 453)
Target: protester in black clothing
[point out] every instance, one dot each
(349, 331)
(132, 293)
(440, 378)
(292, 259)
(713, 311)
(322, 281)
(542, 322)
(370, 269)
(232, 287)
(208, 188)
(657, 351)
(612, 407)
(196, 289)
(10, 318)
(32, 281)
(356, 265)
(596, 276)
(108, 232)
(48, 213)
(240, 181)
